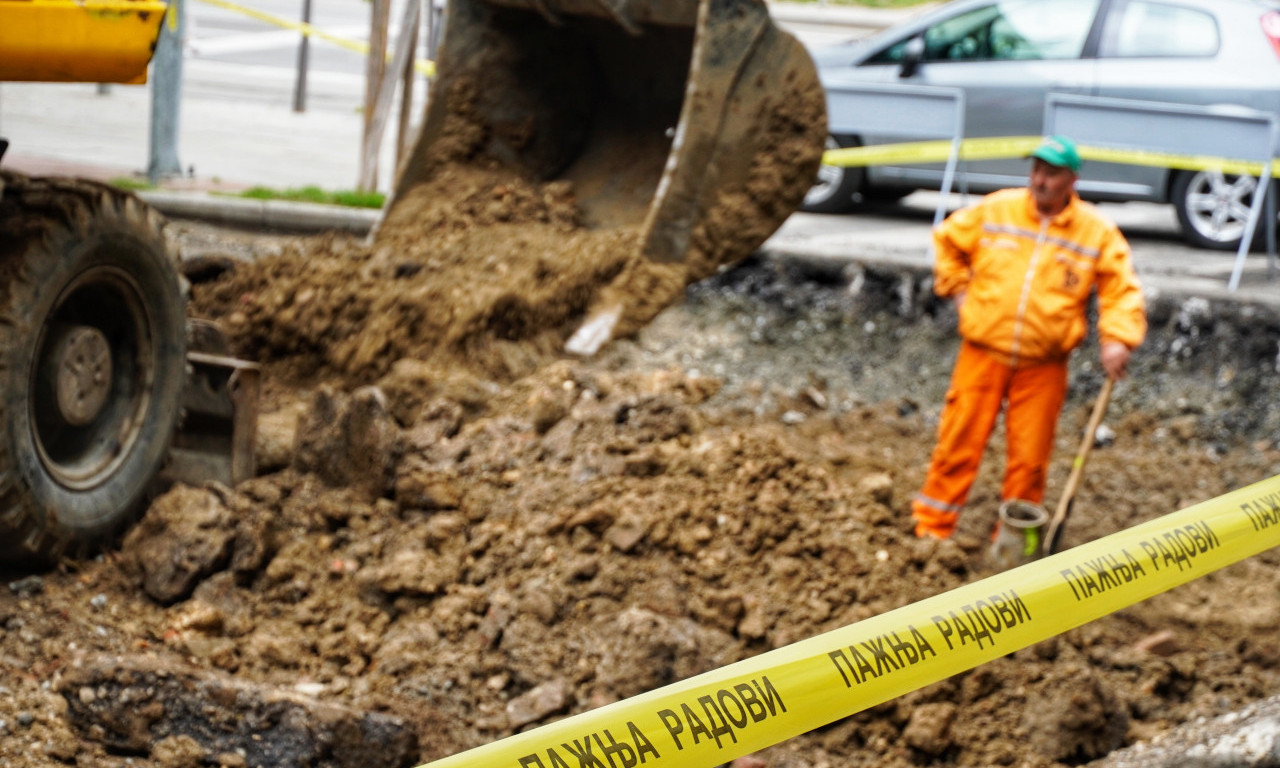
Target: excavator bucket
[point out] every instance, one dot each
(698, 123)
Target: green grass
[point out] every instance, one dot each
(870, 3)
(311, 194)
(130, 183)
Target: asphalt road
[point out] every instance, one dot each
(899, 235)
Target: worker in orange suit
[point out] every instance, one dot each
(1021, 265)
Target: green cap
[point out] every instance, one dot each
(1059, 151)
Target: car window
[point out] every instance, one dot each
(1157, 29)
(1011, 29)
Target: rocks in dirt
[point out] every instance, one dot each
(180, 716)
(626, 532)
(189, 534)
(1075, 715)
(350, 441)
(543, 700)
(186, 535)
(422, 487)
(413, 571)
(1162, 643)
(877, 486)
(27, 586)
(929, 729)
(1249, 738)
(276, 438)
(640, 650)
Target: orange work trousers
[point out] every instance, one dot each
(983, 383)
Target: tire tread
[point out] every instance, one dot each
(40, 216)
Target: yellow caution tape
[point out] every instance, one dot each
(992, 148)
(710, 719)
(422, 66)
(1181, 162)
(932, 151)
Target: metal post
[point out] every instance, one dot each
(1246, 240)
(407, 38)
(166, 94)
(375, 73)
(435, 14)
(1273, 189)
(949, 172)
(304, 49)
(401, 61)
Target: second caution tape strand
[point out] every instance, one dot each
(422, 66)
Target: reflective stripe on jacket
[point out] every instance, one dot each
(1027, 280)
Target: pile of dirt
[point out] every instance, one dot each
(476, 269)
(459, 533)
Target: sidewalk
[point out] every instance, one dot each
(224, 144)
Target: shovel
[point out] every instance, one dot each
(1053, 539)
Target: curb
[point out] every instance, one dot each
(262, 214)
(1258, 288)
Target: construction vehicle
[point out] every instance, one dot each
(106, 391)
(676, 118)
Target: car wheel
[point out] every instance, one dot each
(1213, 208)
(837, 189)
(885, 194)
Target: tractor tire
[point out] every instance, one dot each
(92, 365)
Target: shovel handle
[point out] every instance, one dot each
(1053, 539)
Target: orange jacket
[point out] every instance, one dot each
(1027, 281)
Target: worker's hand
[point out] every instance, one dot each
(958, 298)
(1115, 358)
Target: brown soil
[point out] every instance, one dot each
(458, 532)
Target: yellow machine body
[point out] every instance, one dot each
(96, 41)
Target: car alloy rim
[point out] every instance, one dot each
(829, 177)
(1218, 204)
(828, 180)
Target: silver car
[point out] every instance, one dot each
(1008, 55)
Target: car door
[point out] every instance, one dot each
(1006, 56)
(1184, 53)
